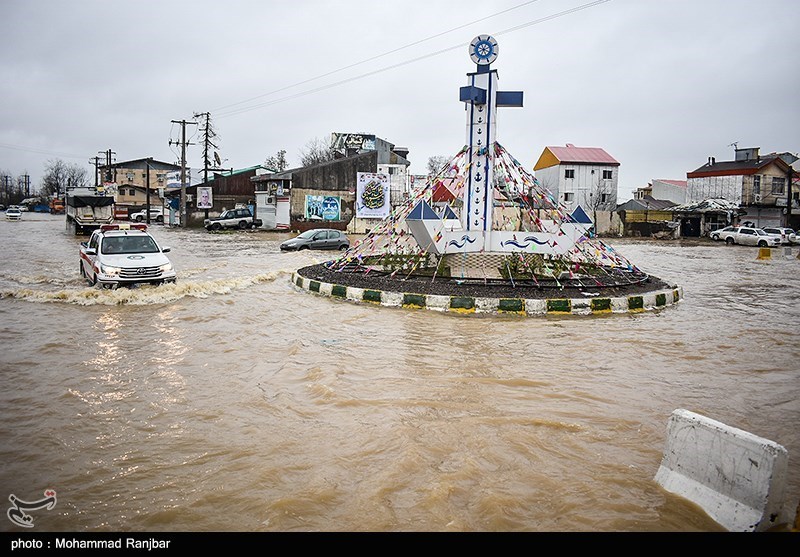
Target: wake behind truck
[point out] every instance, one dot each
(87, 209)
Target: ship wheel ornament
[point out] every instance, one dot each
(483, 50)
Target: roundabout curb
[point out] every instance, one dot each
(638, 303)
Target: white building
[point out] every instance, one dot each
(579, 176)
(669, 190)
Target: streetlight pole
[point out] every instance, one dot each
(147, 186)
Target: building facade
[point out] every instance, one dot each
(759, 184)
(585, 177)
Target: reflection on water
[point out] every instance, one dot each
(231, 401)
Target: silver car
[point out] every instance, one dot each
(318, 238)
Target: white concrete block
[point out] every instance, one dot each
(649, 300)
(392, 299)
(738, 478)
(355, 294)
(619, 305)
(325, 288)
(581, 306)
(437, 303)
(486, 305)
(535, 307)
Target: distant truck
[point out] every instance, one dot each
(56, 206)
(87, 209)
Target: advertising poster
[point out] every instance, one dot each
(323, 207)
(204, 198)
(372, 195)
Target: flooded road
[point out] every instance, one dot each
(232, 401)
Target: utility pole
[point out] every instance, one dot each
(183, 145)
(96, 162)
(147, 187)
(208, 135)
(25, 184)
(789, 177)
(109, 177)
(7, 188)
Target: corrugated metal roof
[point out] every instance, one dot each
(645, 204)
(582, 155)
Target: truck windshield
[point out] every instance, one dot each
(129, 244)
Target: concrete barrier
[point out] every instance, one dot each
(738, 478)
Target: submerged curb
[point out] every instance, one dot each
(637, 303)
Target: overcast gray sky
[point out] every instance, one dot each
(660, 84)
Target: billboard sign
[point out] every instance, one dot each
(372, 195)
(323, 207)
(349, 143)
(205, 199)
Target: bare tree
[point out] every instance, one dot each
(436, 165)
(60, 176)
(316, 151)
(277, 162)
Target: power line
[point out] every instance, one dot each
(409, 45)
(405, 63)
(39, 151)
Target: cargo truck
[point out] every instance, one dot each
(87, 209)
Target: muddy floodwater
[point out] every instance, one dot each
(232, 401)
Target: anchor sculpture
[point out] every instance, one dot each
(472, 232)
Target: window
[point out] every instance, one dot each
(568, 196)
(750, 231)
(607, 174)
(129, 176)
(569, 173)
(777, 185)
(392, 170)
(132, 192)
(603, 198)
(756, 184)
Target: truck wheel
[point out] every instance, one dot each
(93, 280)
(139, 218)
(215, 226)
(729, 241)
(159, 218)
(242, 225)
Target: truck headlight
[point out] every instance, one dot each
(110, 271)
(165, 267)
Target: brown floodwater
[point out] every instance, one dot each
(233, 401)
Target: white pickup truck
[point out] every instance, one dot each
(746, 236)
(233, 218)
(124, 255)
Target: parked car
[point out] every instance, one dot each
(716, 235)
(318, 238)
(232, 218)
(746, 236)
(780, 231)
(13, 213)
(156, 215)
